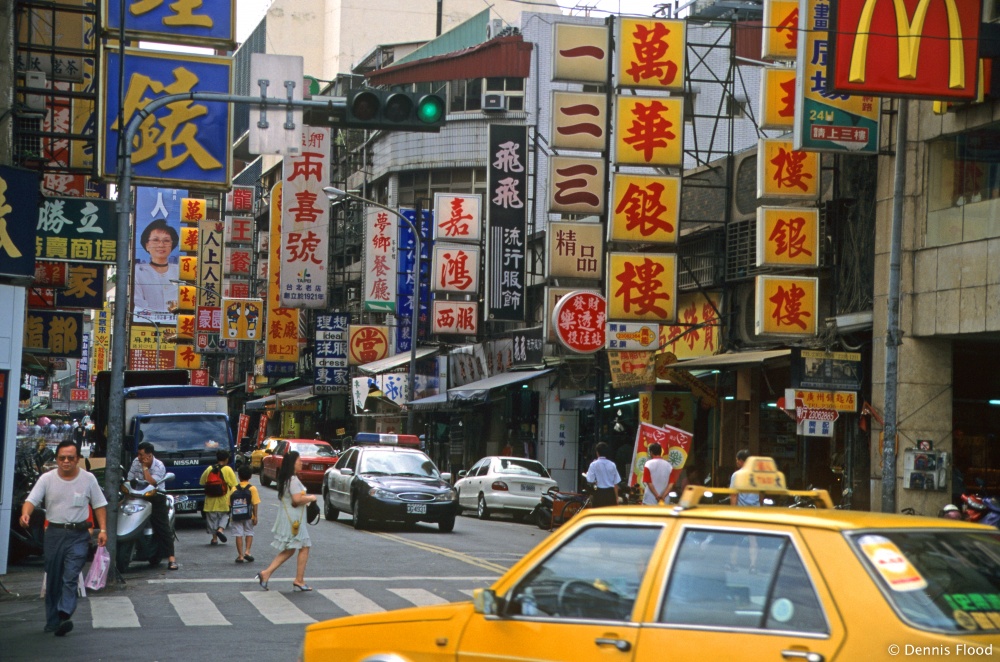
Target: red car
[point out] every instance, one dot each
(316, 456)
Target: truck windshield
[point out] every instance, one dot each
(173, 434)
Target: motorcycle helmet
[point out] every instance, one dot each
(950, 511)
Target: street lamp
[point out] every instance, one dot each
(335, 194)
(157, 327)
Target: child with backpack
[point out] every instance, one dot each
(218, 481)
(243, 514)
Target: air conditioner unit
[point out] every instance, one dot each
(494, 102)
(493, 28)
(35, 80)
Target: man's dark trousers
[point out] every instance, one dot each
(160, 521)
(65, 555)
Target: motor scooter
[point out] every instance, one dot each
(135, 524)
(991, 517)
(555, 507)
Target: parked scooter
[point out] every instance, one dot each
(991, 517)
(555, 507)
(135, 525)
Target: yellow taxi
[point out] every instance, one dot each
(257, 456)
(703, 582)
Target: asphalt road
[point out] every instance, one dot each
(212, 606)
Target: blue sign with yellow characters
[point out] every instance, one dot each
(19, 198)
(186, 142)
(198, 22)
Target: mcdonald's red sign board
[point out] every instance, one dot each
(905, 48)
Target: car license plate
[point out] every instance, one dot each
(186, 505)
(317, 467)
(527, 488)
(416, 509)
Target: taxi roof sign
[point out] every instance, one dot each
(759, 475)
(372, 438)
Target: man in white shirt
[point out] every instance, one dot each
(656, 477)
(146, 467)
(604, 475)
(68, 493)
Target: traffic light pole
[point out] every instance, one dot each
(336, 106)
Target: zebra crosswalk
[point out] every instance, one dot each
(223, 608)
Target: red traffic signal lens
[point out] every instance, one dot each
(365, 106)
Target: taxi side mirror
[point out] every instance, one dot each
(484, 601)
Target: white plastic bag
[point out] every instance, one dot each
(98, 574)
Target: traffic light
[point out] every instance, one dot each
(369, 108)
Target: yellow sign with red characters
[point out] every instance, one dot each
(193, 210)
(282, 335)
(845, 401)
(642, 286)
(697, 329)
(649, 131)
(784, 172)
(667, 408)
(366, 343)
(651, 54)
(189, 238)
(645, 209)
(777, 98)
(780, 32)
(787, 236)
(786, 306)
(185, 327)
(187, 358)
(188, 268)
(187, 298)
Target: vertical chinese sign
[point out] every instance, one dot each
(786, 305)
(331, 372)
(507, 180)
(379, 277)
(238, 242)
(281, 351)
(305, 222)
(208, 314)
(405, 281)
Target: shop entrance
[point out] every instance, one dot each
(976, 417)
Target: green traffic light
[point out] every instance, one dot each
(430, 109)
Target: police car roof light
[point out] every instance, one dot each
(372, 438)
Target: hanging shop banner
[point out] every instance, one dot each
(455, 269)
(239, 201)
(77, 230)
(210, 256)
(652, 54)
(144, 342)
(331, 373)
(185, 328)
(499, 355)
(194, 210)
(552, 297)
(57, 333)
(787, 236)
(18, 219)
(580, 53)
(235, 288)
(631, 370)
(527, 347)
(305, 222)
(404, 280)
(579, 121)
(786, 172)
(455, 317)
(187, 298)
(649, 130)
(157, 258)
(579, 320)
(367, 343)
(100, 348)
(84, 288)
(237, 262)
(243, 318)
(633, 336)
(239, 230)
(209, 23)
(186, 358)
(380, 260)
(467, 364)
(458, 217)
(645, 209)
(507, 182)
(674, 442)
(916, 48)
(786, 306)
(281, 350)
(780, 30)
(827, 121)
(576, 185)
(667, 408)
(189, 239)
(575, 250)
(777, 98)
(698, 329)
(642, 286)
(185, 142)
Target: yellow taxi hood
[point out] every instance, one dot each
(399, 617)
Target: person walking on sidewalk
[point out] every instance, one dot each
(603, 474)
(147, 468)
(290, 529)
(244, 501)
(67, 494)
(219, 481)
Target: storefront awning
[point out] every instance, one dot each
(430, 402)
(583, 402)
(292, 395)
(259, 404)
(730, 360)
(478, 392)
(392, 362)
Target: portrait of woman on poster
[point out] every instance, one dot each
(153, 289)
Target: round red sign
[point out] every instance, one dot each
(580, 321)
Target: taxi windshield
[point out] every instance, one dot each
(937, 579)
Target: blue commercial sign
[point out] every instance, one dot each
(58, 332)
(332, 374)
(203, 23)
(185, 142)
(404, 282)
(19, 198)
(77, 230)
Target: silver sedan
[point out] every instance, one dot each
(503, 484)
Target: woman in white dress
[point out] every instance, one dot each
(153, 288)
(290, 529)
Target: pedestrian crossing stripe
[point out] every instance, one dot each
(197, 609)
